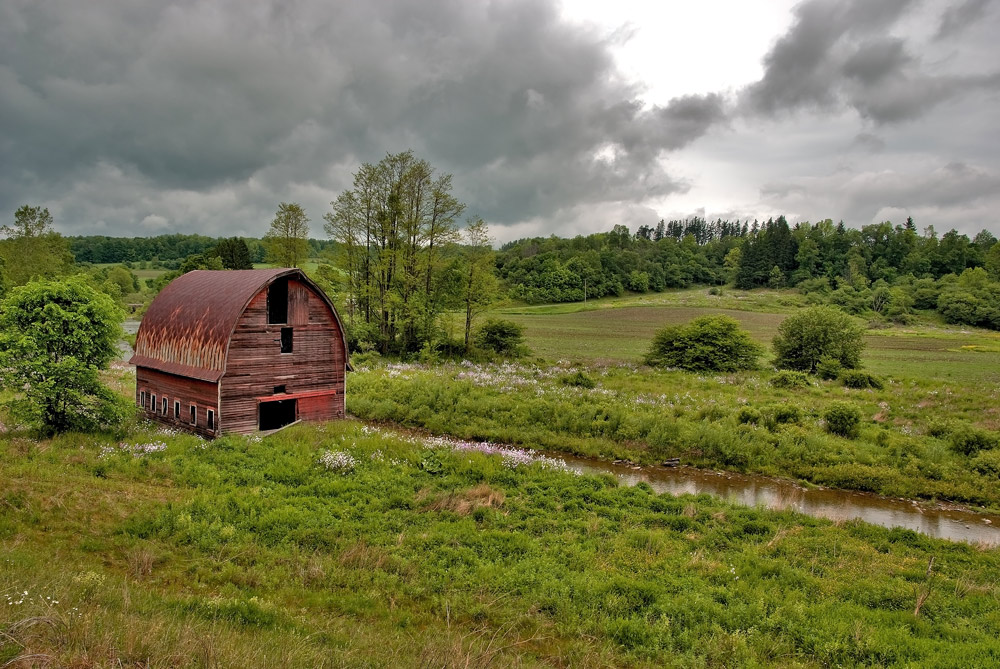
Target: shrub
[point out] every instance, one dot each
(706, 344)
(857, 378)
(987, 463)
(748, 415)
(969, 440)
(500, 336)
(815, 333)
(782, 414)
(842, 419)
(578, 379)
(788, 379)
(828, 368)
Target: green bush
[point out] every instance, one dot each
(857, 378)
(706, 344)
(500, 336)
(578, 379)
(812, 334)
(749, 416)
(842, 419)
(783, 414)
(969, 440)
(987, 463)
(788, 379)
(828, 368)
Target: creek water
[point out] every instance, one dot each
(942, 522)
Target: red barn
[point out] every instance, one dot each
(239, 351)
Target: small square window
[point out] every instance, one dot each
(194, 415)
(177, 410)
(286, 340)
(278, 390)
(211, 419)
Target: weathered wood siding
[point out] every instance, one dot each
(203, 394)
(255, 364)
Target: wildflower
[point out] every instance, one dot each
(338, 461)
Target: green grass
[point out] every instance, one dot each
(244, 552)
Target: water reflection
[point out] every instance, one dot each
(953, 524)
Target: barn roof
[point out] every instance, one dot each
(187, 327)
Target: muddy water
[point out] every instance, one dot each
(942, 523)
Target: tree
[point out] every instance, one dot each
(287, 241)
(479, 283)
(706, 344)
(55, 336)
(819, 332)
(500, 336)
(234, 253)
(32, 249)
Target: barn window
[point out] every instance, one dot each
(142, 399)
(286, 340)
(279, 389)
(177, 410)
(163, 410)
(277, 302)
(153, 404)
(211, 419)
(194, 415)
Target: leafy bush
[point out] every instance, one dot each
(706, 344)
(749, 415)
(987, 463)
(816, 333)
(783, 414)
(857, 378)
(969, 440)
(578, 379)
(842, 419)
(789, 379)
(828, 368)
(500, 336)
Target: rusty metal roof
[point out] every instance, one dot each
(187, 327)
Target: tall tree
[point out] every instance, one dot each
(32, 249)
(234, 253)
(479, 283)
(286, 241)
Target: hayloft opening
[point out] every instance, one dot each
(277, 302)
(277, 413)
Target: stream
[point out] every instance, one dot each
(942, 522)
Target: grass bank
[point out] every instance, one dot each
(741, 422)
(337, 545)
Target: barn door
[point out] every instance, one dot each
(276, 413)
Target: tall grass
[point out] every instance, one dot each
(248, 552)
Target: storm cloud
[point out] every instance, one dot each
(201, 116)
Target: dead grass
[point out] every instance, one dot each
(464, 502)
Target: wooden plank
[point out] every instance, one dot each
(203, 394)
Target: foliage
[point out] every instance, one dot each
(54, 338)
(860, 379)
(707, 343)
(234, 253)
(479, 285)
(969, 440)
(286, 242)
(790, 379)
(499, 336)
(578, 379)
(812, 334)
(842, 419)
(396, 234)
(251, 553)
(828, 368)
(32, 249)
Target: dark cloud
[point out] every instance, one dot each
(958, 17)
(213, 101)
(839, 54)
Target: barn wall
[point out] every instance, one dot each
(203, 394)
(255, 364)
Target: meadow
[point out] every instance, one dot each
(345, 545)
(585, 392)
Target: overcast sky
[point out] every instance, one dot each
(131, 118)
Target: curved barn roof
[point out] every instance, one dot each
(187, 327)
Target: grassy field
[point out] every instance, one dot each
(340, 545)
(941, 384)
(613, 330)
